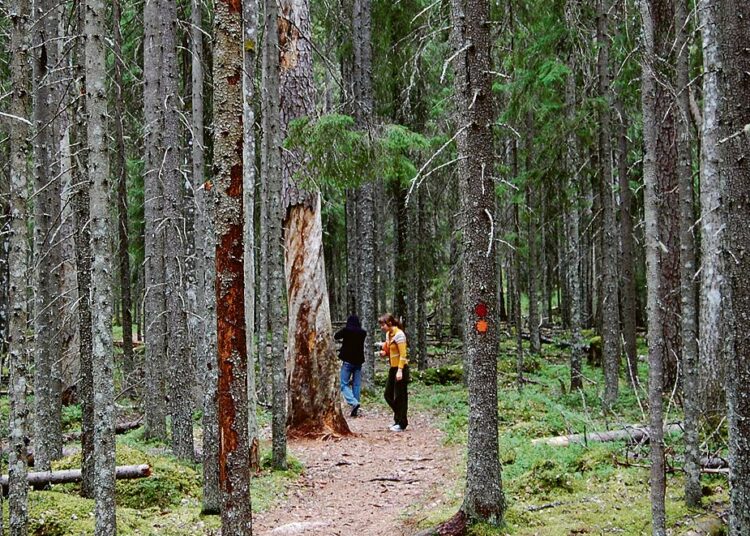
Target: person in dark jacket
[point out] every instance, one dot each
(352, 355)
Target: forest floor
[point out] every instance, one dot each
(372, 483)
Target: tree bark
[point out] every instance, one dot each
(249, 28)
(155, 308)
(609, 298)
(656, 14)
(483, 499)
(714, 316)
(733, 35)
(123, 250)
(41, 479)
(179, 371)
(46, 318)
(18, 271)
(234, 468)
(275, 258)
(101, 270)
(688, 289)
(313, 399)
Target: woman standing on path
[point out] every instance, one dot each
(394, 348)
(352, 355)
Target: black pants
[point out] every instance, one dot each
(396, 395)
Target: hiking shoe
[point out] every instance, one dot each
(396, 428)
(355, 411)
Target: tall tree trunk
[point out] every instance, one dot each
(205, 284)
(82, 238)
(572, 230)
(517, 316)
(421, 285)
(313, 399)
(275, 256)
(657, 16)
(179, 371)
(352, 253)
(122, 205)
(155, 308)
(47, 383)
(366, 207)
(627, 254)
(714, 316)
(234, 468)
(610, 307)
(18, 271)
(533, 265)
(688, 290)
(483, 498)
(733, 35)
(249, 29)
(101, 270)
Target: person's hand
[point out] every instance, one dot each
(399, 375)
(382, 353)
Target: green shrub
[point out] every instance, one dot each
(449, 374)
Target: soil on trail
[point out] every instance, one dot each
(373, 483)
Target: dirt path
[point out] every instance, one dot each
(365, 484)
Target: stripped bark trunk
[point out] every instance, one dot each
(41, 479)
(483, 498)
(250, 40)
(609, 298)
(688, 289)
(122, 205)
(275, 258)
(234, 468)
(101, 270)
(154, 310)
(313, 398)
(46, 319)
(733, 35)
(18, 271)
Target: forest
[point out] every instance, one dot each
(549, 200)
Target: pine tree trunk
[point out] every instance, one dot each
(733, 35)
(206, 278)
(122, 206)
(179, 371)
(715, 317)
(154, 307)
(275, 260)
(421, 284)
(18, 271)
(533, 266)
(572, 230)
(655, 14)
(483, 499)
(234, 468)
(47, 382)
(688, 289)
(610, 307)
(101, 270)
(627, 255)
(82, 239)
(249, 28)
(313, 400)
(352, 253)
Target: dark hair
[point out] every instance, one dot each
(389, 319)
(353, 322)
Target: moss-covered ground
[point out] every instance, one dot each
(597, 488)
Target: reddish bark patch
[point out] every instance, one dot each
(235, 185)
(230, 339)
(288, 37)
(235, 6)
(455, 526)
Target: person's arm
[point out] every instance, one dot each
(339, 334)
(400, 340)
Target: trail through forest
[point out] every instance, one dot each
(373, 483)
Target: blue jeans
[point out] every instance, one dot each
(351, 374)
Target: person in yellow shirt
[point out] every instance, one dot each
(394, 349)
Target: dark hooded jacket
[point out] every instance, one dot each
(353, 337)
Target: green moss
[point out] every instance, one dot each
(441, 375)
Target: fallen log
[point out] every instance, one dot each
(120, 428)
(634, 433)
(42, 479)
